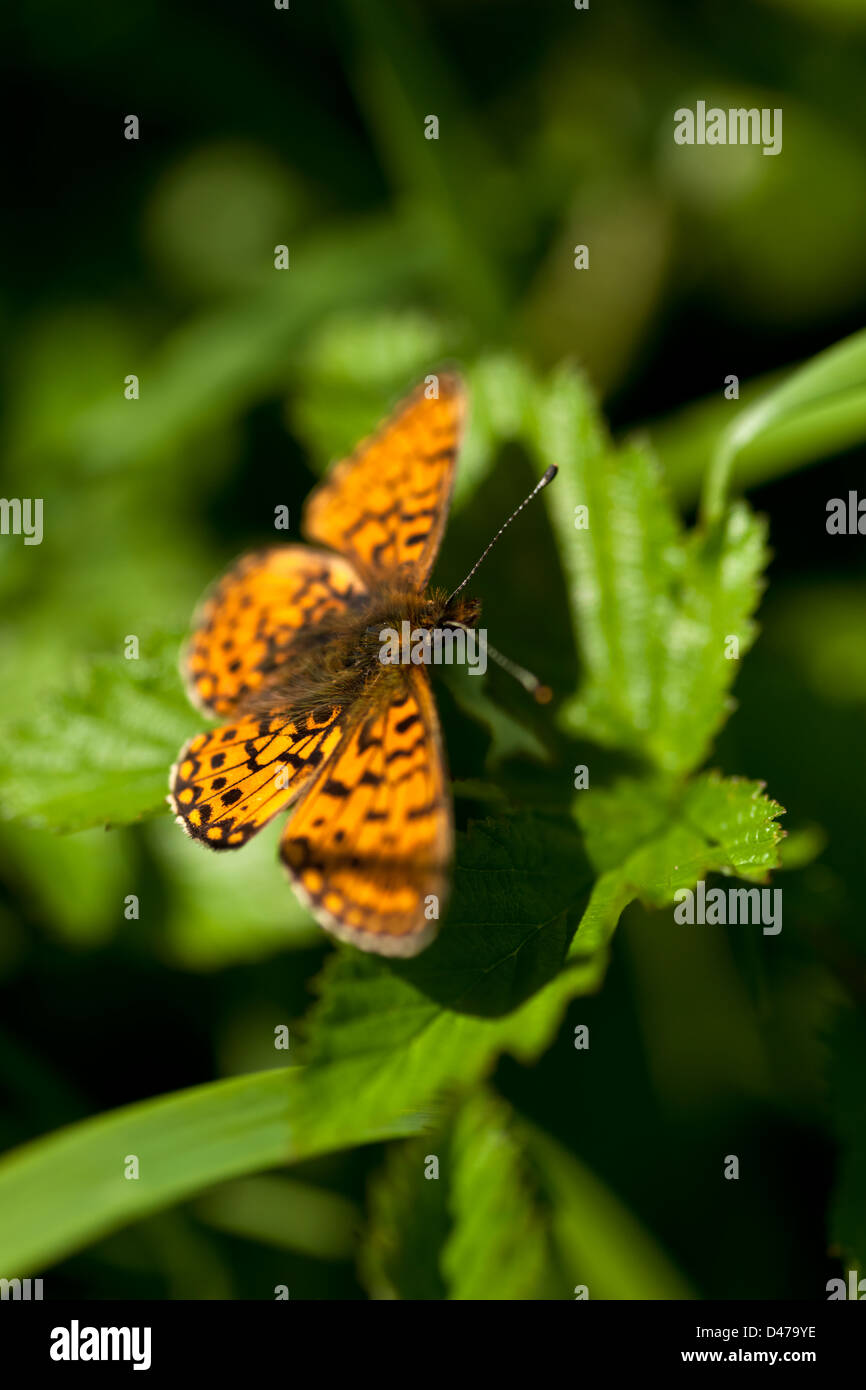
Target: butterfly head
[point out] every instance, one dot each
(426, 611)
(459, 611)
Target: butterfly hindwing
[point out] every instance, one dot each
(385, 506)
(369, 845)
(229, 782)
(246, 625)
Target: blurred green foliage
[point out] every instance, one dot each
(558, 1166)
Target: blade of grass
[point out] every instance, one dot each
(68, 1189)
(826, 394)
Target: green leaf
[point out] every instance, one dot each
(446, 1237)
(654, 608)
(519, 888)
(653, 839)
(385, 1040)
(101, 754)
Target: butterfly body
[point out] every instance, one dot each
(340, 660)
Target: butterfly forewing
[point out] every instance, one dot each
(386, 505)
(246, 626)
(370, 843)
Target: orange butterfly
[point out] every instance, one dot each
(287, 648)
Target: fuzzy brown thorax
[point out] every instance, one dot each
(337, 661)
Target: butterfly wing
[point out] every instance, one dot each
(370, 843)
(229, 782)
(385, 506)
(245, 626)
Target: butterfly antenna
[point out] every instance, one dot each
(542, 483)
(542, 693)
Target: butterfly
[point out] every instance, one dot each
(286, 650)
